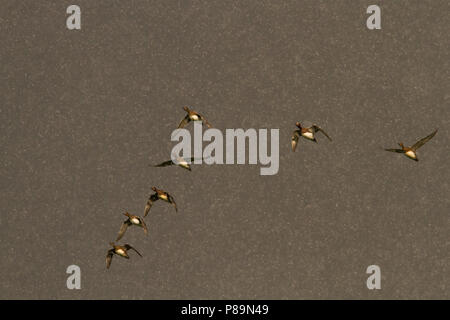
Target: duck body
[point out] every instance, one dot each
(163, 195)
(121, 251)
(194, 116)
(183, 163)
(411, 154)
(308, 133)
(136, 221)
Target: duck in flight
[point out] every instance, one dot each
(132, 220)
(181, 162)
(120, 251)
(159, 194)
(410, 152)
(307, 133)
(192, 116)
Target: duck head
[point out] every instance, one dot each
(298, 124)
(154, 189)
(185, 108)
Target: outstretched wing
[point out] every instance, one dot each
(123, 228)
(294, 139)
(317, 128)
(144, 226)
(172, 201)
(395, 150)
(109, 258)
(184, 122)
(165, 164)
(206, 122)
(128, 247)
(421, 142)
(151, 199)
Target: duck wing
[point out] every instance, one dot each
(123, 228)
(151, 199)
(294, 139)
(316, 128)
(109, 258)
(165, 164)
(184, 122)
(144, 226)
(205, 121)
(172, 201)
(128, 247)
(395, 150)
(421, 142)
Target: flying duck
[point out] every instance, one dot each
(120, 251)
(410, 152)
(192, 116)
(307, 133)
(159, 194)
(132, 220)
(181, 162)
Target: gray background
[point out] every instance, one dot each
(83, 114)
